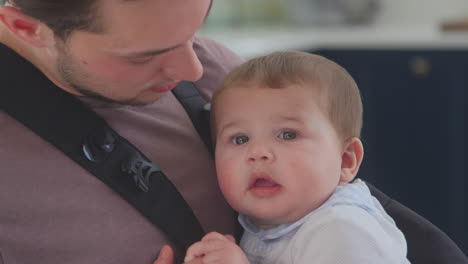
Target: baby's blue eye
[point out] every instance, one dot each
(287, 135)
(239, 140)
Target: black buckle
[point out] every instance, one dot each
(97, 147)
(140, 170)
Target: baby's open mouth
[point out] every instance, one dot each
(263, 183)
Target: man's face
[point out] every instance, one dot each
(145, 50)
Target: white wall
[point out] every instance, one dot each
(420, 12)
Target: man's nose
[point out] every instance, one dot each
(182, 64)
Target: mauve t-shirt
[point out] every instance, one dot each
(54, 211)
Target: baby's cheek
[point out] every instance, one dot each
(229, 185)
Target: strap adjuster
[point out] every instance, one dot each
(98, 146)
(140, 170)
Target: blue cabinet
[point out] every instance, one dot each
(413, 130)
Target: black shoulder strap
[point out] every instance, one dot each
(69, 125)
(198, 109)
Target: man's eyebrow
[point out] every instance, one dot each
(148, 53)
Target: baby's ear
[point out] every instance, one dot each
(23, 26)
(351, 159)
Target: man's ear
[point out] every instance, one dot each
(351, 159)
(22, 26)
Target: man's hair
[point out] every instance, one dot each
(62, 16)
(337, 93)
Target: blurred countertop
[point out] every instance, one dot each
(257, 41)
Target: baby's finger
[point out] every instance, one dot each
(201, 248)
(195, 261)
(213, 236)
(230, 238)
(194, 251)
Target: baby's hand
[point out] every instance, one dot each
(216, 248)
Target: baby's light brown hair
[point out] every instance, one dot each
(337, 94)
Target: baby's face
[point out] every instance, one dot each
(278, 157)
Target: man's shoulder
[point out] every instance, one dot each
(207, 48)
(217, 61)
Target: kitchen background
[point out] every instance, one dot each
(410, 60)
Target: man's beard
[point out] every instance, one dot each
(67, 70)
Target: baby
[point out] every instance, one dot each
(286, 129)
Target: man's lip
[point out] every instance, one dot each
(165, 88)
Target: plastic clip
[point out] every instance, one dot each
(140, 170)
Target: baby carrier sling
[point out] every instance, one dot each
(81, 134)
(65, 122)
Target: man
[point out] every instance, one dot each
(121, 58)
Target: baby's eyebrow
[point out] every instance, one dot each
(227, 126)
(288, 118)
